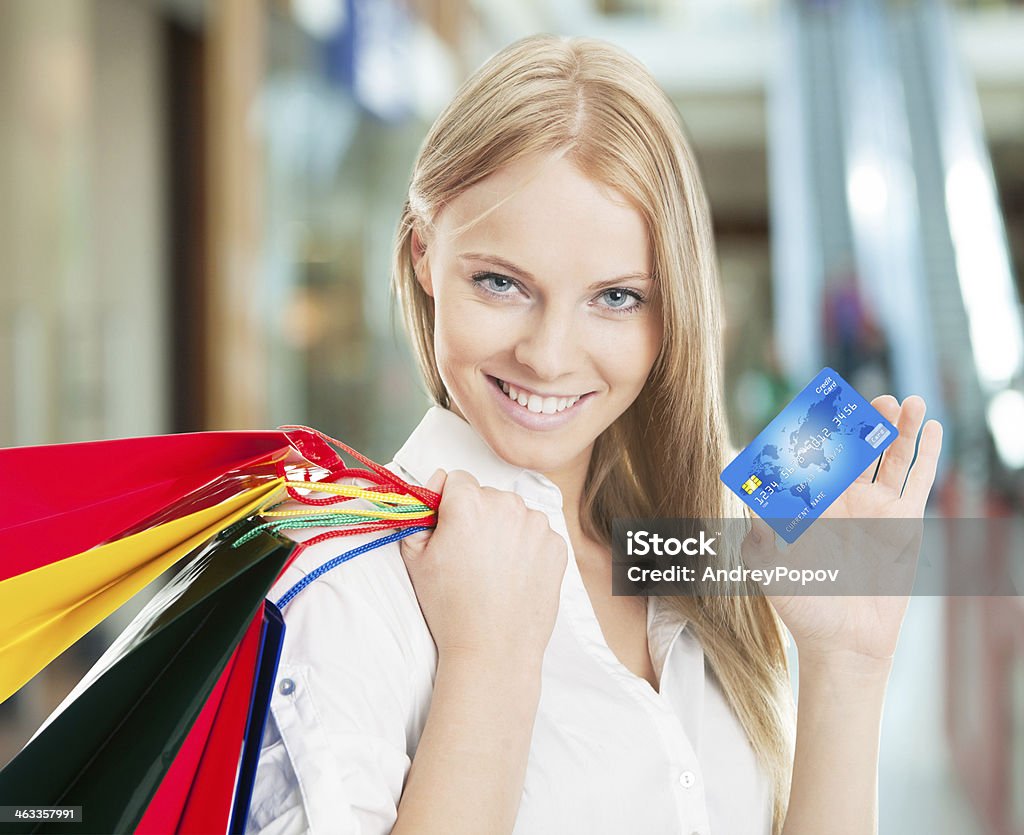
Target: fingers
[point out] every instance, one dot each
(460, 478)
(922, 476)
(889, 407)
(411, 547)
(437, 480)
(758, 548)
(897, 458)
(760, 532)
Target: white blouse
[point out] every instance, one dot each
(609, 753)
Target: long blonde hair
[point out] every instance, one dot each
(661, 458)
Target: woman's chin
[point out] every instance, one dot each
(537, 454)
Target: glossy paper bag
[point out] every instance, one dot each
(43, 612)
(109, 746)
(62, 499)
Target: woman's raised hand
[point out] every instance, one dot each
(877, 546)
(488, 576)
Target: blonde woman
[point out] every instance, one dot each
(556, 269)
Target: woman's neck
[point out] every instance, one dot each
(570, 480)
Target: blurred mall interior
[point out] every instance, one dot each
(198, 201)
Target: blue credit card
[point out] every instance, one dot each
(804, 459)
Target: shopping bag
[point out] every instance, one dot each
(200, 790)
(43, 612)
(110, 744)
(63, 499)
(265, 676)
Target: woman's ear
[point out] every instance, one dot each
(420, 262)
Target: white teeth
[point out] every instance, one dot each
(535, 403)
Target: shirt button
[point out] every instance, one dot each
(687, 779)
(287, 687)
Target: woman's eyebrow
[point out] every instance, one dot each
(512, 268)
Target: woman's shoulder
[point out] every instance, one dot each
(343, 589)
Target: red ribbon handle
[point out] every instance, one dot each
(316, 448)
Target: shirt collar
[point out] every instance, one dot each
(443, 440)
(446, 441)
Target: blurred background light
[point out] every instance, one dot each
(990, 297)
(867, 191)
(320, 18)
(1006, 414)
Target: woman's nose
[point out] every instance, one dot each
(549, 345)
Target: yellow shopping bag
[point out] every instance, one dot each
(44, 611)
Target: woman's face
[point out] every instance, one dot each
(547, 299)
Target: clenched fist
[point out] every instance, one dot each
(488, 576)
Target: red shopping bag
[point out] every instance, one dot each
(196, 794)
(63, 499)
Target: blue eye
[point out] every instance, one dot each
(617, 299)
(499, 285)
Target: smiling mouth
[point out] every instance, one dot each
(537, 403)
